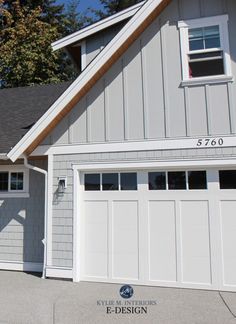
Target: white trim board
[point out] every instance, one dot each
(85, 77)
(98, 26)
(151, 165)
(21, 266)
(130, 146)
(57, 272)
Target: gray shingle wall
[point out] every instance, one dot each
(62, 237)
(22, 223)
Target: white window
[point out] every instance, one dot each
(14, 181)
(205, 48)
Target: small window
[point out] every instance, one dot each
(227, 179)
(197, 180)
(17, 181)
(92, 182)
(110, 181)
(205, 47)
(157, 180)
(4, 181)
(209, 61)
(177, 180)
(128, 181)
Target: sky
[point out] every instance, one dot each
(84, 4)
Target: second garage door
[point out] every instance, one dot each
(165, 228)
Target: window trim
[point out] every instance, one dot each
(184, 26)
(16, 193)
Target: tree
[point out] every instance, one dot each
(110, 7)
(73, 19)
(50, 12)
(26, 56)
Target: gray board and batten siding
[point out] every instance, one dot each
(22, 222)
(141, 96)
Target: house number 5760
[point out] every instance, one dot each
(210, 142)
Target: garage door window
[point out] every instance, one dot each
(197, 180)
(110, 181)
(157, 180)
(128, 181)
(177, 180)
(92, 182)
(227, 179)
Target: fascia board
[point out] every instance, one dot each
(94, 28)
(84, 78)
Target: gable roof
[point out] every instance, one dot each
(94, 71)
(96, 27)
(20, 108)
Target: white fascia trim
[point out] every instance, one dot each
(151, 165)
(130, 146)
(21, 266)
(100, 60)
(94, 28)
(58, 272)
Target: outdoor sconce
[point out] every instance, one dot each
(62, 185)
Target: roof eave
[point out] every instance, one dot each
(96, 27)
(89, 77)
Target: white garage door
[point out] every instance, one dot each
(165, 228)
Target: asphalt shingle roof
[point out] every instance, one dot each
(20, 108)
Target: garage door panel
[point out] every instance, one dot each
(125, 246)
(228, 229)
(195, 237)
(96, 239)
(162, 241)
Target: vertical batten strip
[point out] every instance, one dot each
(124, 83)
(187, 111)
(106, 111)
(144, 90)
(231, 106)
(208, 108)
(165, 81)
(88, 133)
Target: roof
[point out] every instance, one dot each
(20, 108)
(98, 26)
(88, 78)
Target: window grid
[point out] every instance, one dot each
(18, 182)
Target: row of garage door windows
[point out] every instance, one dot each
(174, 180)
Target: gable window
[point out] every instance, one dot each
(205, 48)
(14, 182)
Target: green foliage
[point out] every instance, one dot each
(26, 56)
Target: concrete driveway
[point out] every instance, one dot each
(27, 299)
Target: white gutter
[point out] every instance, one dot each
(34, 168)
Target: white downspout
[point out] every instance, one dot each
(34, 168)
